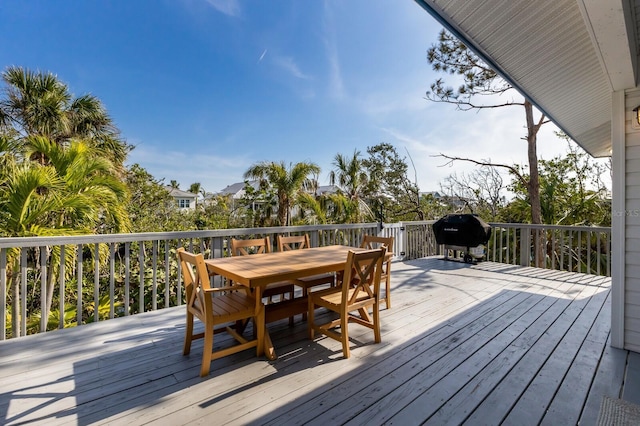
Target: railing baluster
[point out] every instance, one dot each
(570, 250)
(553, 249)
(44, 307)
(23, 292)
(154, 275)
(579, 257)
(562, 250)
(127, 275)
(79, 276)
(142, 272)
(589, 236)
(62, 285)
(514, 250)
(167, 275)
(96, 282)
(112, 284)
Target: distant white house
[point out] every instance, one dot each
(184, 200)
(236, 190)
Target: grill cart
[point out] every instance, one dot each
(465, 234)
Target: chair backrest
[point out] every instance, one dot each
(364, 271)
(195, 277)
(253, 246)
(374, 242)
(293, 242)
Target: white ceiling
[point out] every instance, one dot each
(566, 56)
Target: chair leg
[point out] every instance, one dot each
(376, 322)
(387, 296)
(207, 352)
(344, 332)
(188, 334)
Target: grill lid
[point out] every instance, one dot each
(466, 230)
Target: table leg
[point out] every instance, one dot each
(269, 350)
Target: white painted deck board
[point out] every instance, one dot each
(463, 344)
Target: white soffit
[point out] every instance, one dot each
(566, 56)
(605, 20)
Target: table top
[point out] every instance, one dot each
(258, 270)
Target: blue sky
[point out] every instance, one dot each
(206, 88)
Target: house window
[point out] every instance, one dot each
(183, 203)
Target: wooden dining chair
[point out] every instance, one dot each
(362, 294)
(263, 245)
(299, 242)
(374, 242)
(220, 309)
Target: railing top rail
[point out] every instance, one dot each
(10, 242)
(546, 226)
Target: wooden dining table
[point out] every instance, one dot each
(258, 270)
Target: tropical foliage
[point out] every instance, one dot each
(62, 172)
(285, 182)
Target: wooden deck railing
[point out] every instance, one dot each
(124, 274)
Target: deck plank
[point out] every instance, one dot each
(472, 344)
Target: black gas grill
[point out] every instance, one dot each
(463, 233)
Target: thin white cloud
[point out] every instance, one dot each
(262, 56)
(288, 64)
(228, 7)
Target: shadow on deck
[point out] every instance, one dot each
(482, 344)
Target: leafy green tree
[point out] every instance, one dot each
(572, 192)
(389, 186)
(313, 209)
(287, 182)
(196, 188)
(151, 208)
(351, 177)
(257, 206)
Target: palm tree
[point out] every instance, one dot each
(30, 196)
(287, 182)
(350, 176)
(71, 191)
(39, 104)
(92, 195)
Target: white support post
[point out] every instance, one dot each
(618, 207)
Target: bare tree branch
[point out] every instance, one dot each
(512, 169)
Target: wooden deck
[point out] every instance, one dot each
(483, 344)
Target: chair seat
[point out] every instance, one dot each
(332, 297)
(233, 306)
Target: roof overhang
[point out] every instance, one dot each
(566, 56)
